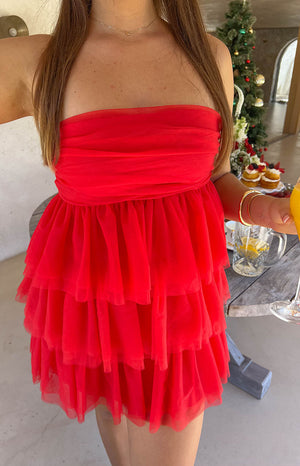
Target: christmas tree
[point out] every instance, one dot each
(238, 35)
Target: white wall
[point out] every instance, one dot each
(39, 15)
(24, 181)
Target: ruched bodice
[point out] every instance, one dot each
(122, 154)
(124, 281)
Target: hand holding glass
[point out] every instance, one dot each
(289, 311)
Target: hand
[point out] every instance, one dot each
(273, 213)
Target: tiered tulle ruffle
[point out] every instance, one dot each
(124, 304)
(83, 311)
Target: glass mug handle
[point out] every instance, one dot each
(282, 240)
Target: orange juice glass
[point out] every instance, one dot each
(290, 310)
(295, 205)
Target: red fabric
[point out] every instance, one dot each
(124, 282)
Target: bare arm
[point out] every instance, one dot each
(265, 210)
(13, 90)
(18, 60)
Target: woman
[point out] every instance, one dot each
(124, 281)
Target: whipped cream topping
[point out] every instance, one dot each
(265, 178)
(251, 172)
(273, 170)
(251, 179)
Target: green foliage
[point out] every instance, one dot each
(238, 35)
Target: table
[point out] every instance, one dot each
(252, 296)
(249, 297)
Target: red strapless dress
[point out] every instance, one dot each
(124, 281)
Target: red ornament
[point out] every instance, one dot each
(253, 126)
(253, 47)
(248, 61)
(260, 150)
(247, 79)
(265, 148)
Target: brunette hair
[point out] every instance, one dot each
(50, 79)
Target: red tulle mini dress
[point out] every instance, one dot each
(124, 282)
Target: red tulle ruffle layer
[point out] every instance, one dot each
(124, 303)
(174, 397)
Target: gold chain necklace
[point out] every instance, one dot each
(127, 33)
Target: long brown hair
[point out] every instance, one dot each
(185, 21)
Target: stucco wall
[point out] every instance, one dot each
(24, 181)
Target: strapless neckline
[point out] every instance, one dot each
(137, 110)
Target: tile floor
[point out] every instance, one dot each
(242, 431)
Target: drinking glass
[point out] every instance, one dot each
(254, 249)
(289, 311)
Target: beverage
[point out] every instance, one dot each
(250, 256)
(295, 205)
(254, 249)
(289, 311)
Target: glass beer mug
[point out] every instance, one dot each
(254, 249)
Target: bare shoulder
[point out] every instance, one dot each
(35, 44)
(224, 61)
(219, 49)
(33, 47)
(32, 43)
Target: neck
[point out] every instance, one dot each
(125, 15)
